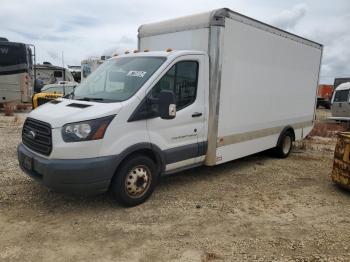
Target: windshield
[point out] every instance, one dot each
(118, 79)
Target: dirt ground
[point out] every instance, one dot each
(254, 209)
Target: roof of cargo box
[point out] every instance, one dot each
(212, 18)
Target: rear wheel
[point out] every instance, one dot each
(134, 181)
(285, 145)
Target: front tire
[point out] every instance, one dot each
(284, 147)
(135, 180)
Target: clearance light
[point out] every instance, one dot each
(126, 52)
(115, 54)
(136, 51)
(146, 50)
(169, 50)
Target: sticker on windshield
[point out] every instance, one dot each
(137, 73)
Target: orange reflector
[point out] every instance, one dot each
(100, 132)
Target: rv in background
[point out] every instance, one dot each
(16, 71)
(50, 74)
(89, 65)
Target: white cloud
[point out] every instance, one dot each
(331, 29)
(83, 28)
(288, 19)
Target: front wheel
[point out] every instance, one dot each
(134, 181)
(284, 147)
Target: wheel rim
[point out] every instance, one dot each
(138, 181)
(287, 144)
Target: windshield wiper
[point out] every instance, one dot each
(70, 95)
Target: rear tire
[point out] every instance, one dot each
(284, 147)
(134, 181)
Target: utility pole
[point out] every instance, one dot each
(64, 71)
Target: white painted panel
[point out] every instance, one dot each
(266, 80)
(184, 40)
(238, 150)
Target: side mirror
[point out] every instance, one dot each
(38, 85)
(167, 105)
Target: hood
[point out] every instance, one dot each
(62, 111)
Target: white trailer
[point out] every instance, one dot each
(262, 79)
(230, 87)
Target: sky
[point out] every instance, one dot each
(81, 29)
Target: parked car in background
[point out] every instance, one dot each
(53, 91)
(341, 102)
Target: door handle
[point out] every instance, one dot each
(197, 114)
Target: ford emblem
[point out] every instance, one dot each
(31, 134)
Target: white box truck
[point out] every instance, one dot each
(229, 87)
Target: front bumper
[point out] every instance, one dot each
(78, 176)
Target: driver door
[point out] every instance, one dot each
(179, 138)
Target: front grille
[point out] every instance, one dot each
(37, 136)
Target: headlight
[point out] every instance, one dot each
(86, 130)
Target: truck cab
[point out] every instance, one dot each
(341, 101)
(125, 108)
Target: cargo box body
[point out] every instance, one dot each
(262, 79)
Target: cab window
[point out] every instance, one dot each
(341, 96)
(182, 79)
(57, 74)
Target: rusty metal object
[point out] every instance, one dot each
(341, 164)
